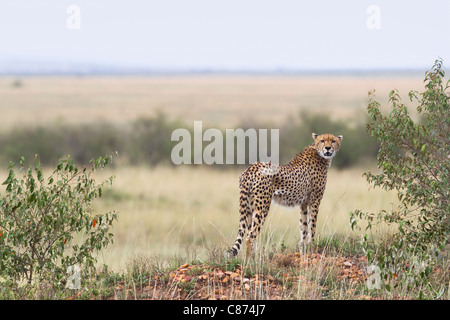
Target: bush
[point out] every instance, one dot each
(148, 140)
(46, 224)
(414, 160)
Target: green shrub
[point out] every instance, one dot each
(148, 140)
(47, 224)
(414, 160)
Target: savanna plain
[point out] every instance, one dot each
(175, 223)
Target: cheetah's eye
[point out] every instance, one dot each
(333, 141)
(322, 141)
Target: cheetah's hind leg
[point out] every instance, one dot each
(256, 185)
(244, 221)
(261, 211)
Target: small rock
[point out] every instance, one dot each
(347, 264)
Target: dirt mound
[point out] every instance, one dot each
(286, 276)
(348, 269)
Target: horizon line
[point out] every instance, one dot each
(95, 71)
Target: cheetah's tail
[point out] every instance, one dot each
(245, 217)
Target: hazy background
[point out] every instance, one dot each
(136, 70)
(233, 35)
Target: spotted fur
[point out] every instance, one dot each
(301, 183)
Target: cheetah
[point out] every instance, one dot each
(301, 183)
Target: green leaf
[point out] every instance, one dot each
(424, 148)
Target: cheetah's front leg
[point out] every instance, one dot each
(312, 219)
(303, 224)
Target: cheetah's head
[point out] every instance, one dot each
(327, 144)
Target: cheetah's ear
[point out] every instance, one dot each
(340, 137)
(315, 135)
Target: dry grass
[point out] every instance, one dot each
(220, 101)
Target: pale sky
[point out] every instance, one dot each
(229, 34)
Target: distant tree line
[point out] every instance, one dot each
(147, 141)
